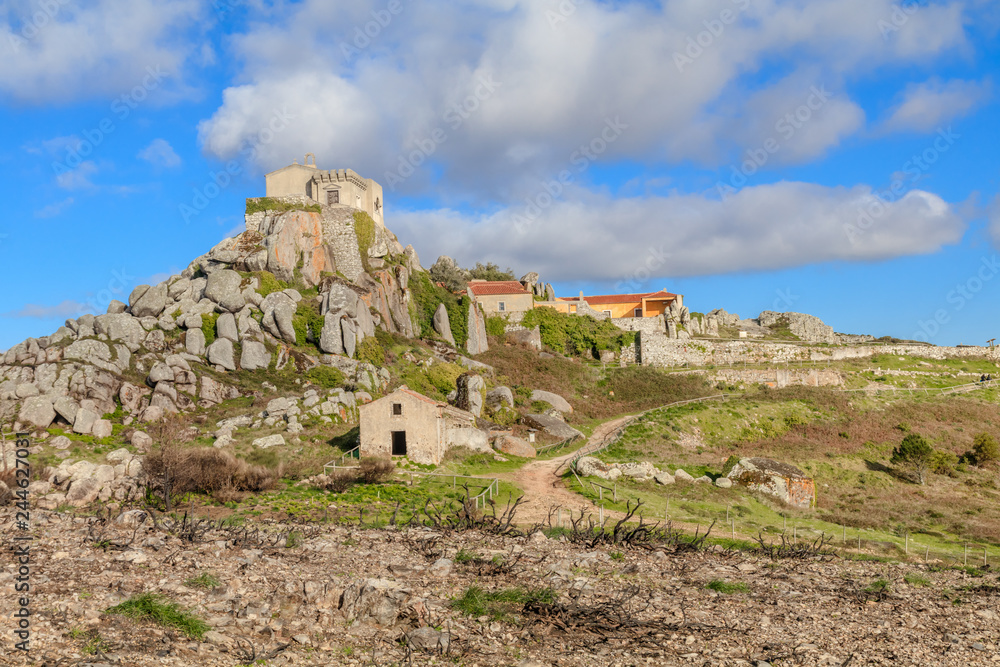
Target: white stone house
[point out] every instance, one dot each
(406, 423)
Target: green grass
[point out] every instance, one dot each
(157, 609)
(205, 580)
(262, 204)
(502, 605)
(915, 579)
(727, 587)
(878, 587)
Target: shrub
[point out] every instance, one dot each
(496, 326)
(262, 204)
(269, 284)
(942, 463)
(915, 453)
(574, 334)
(208, 327)
(451, 275)
(326, 377)
(364, 227)
(427, 297)
(490, 271)
(985, 449)
(157, 609)
(376, 470)
(205, 580)
(444, 376)
(205, 470)
(307, 322)
(371, 351)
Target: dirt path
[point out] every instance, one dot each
(543, 490)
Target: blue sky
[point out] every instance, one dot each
(834, 157)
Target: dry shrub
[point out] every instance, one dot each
(340, 481)
(376, 471)
(206, 470)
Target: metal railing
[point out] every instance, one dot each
(612, 438)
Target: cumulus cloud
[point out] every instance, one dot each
(160, 153)
(513, 93)
(77, 179)
(766, 227)
(928, 105)
(61, 51)
(65, 309)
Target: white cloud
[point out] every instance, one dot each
(52, 210)
(933, 103)
(766, 227)
(77, 179)
(62, 51)
(160, 153)
(555, 85)
(65, 309)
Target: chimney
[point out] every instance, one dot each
(581, 295)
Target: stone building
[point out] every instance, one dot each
(409, 424)
(330, 187)
(501, 296)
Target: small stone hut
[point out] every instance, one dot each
(406, 423)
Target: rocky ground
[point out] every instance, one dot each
(341, 595)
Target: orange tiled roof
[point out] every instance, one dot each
(622, 298)
(497, 287)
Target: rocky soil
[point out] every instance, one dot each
(343, 595)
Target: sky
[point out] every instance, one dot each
(834, 157)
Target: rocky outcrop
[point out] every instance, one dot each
(553, 426)
(471, 393)
(559, 403)
(514, 446)
(530, 337)
(442, 325)
(780, 480)
(477, 342)
(805, 327)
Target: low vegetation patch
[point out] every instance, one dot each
(576, 335)
(501, 605)
(161, 611)
(727, 587)
(262, 204)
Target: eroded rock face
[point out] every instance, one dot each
(471, 393)
(224, 288)
(806, 327)
(443, 325)
(781, 480)
(477, 342)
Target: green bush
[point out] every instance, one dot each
(915, 453)
(208, 327)
(427, 296)
(490, 271)
(262, 204)
(444, 376)
(501, 605)
(268, 283)
(496, 325)
(371, 351)
(942, 463)
(326, 377)
(985, 449)
(307, 320)
(364, 227)
(505, 417)
(576, 334)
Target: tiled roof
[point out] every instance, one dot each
(497, 287)
(414, 394)
(621, 298)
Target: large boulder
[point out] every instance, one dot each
(471, 393)
(779, 480)
(509, 444)
(121, 327)
(279, 309)
(146, 301)
(499, 397)
(331, 339)
(84, 421)
(194, 341)
(275, 440)
(254, 356)
(83, 492)
(471, 438)
(225, 288)
(221, 352)
(588, 466)
(555, 400)
(553, 426)
(226, 327)
(443, 325)
(529, 337)
(476, 342)
(37, 411)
